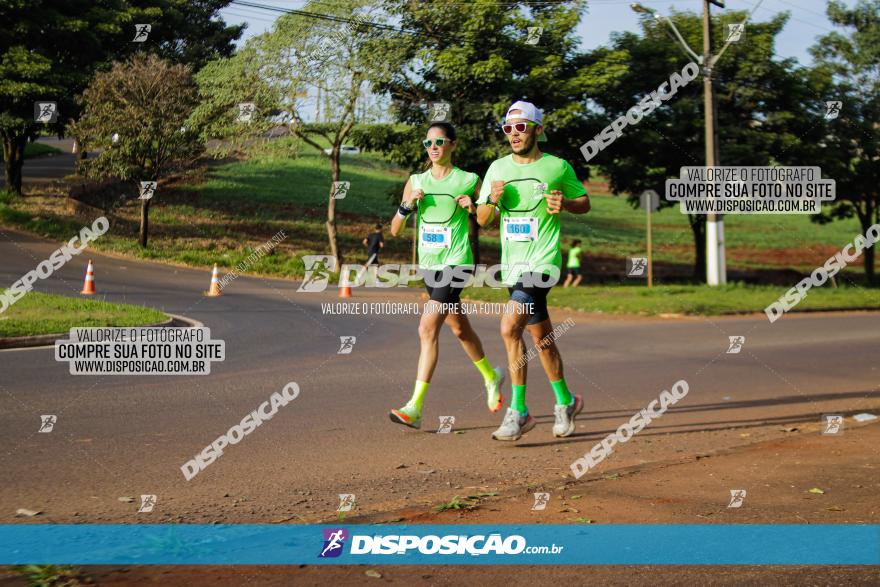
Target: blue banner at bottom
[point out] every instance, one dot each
(245, 544)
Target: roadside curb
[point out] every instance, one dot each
(42, 340)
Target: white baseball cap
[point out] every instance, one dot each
(528, 111)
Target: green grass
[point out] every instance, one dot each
(235, 209)
(38, 313)
(470, 502)
(224, 214)
(268, 189)
(613, 228)
(52, 575)
(35, 150)
(700, 300)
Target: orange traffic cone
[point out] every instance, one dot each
(89, 285)
(215, 283)
(344, 291)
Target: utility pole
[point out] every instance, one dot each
(716, 270)
(716, 267)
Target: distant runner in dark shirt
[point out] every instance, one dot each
(374, 243)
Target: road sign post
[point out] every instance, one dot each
(649, 201)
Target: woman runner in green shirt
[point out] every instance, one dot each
(442, 197)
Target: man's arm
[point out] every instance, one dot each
(485, 214)
(572, 186)
(486, 210)
(579, 205)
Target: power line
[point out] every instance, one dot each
(807, 22)
(356, 21)
(801, 8)
(321, 16)
(248, 17)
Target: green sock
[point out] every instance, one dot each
(518, 398)
(418, 397)
(563, 396)
(485, 369)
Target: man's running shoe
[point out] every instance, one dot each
(408, 416)
(494, 397)
(565, 415)
(514, 425)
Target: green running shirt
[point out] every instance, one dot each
(443, 224)
(574, 258)
(529, 235)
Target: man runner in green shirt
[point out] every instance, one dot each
(530, 189)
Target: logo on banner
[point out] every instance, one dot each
(334, 541)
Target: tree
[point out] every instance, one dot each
(479, 63)
(136, 113)
(228, 89)
(325, 49)
(49, 50)
(758, 103)
(847, 69)
(190, 32)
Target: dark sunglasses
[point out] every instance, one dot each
(520, 127)
(440, 141)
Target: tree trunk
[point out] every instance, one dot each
(145, 222)
(868, 216)
(331, 207)
(13, 153)
(869, 266)
(698, 227)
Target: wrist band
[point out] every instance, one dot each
(404, 211)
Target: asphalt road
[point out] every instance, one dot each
(47, 167)
(119, 436)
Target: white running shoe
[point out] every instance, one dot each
(565, 415)
(514, 425)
